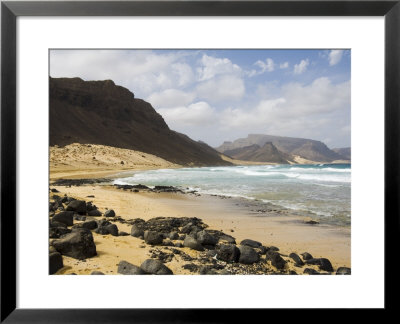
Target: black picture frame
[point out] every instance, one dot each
(11, 10)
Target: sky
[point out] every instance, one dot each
(222, 95)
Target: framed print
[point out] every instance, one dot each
(250, 149)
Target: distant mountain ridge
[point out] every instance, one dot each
(289, 147)
(267, 153)
(343, 151)
(100, 112)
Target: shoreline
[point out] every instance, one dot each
(274, 227)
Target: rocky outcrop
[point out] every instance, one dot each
(100, 112)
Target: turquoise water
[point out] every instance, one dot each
(323, 190)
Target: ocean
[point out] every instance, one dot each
(321, 191)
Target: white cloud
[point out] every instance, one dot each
(224, 88)
(170, 98)
(301, 67)
(196, 114)
(267, 66)
(284, 65)
(335, 57)
(212, 66)
(141, 71)
(300, 110)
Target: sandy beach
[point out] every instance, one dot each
(287, 232)
(238, 217)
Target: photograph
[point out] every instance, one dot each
(199, 161)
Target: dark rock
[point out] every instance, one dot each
(173, 236)
(94, 213)
(191, 267)
(276, 260)
(178, 244)
(123, 233)
(127, 268)
(310, 271)
(97, 273)
(187, 228)
(192, 243)
(306, 256)
(90, 196)
(167, 242)
(292, 272)
(227, 238)
(205, 238)
(65, 217)
(109, 213)
(323, 263)
(90, 225)
(156, 267)
(78, 244)
(251, 243)
(263, 250)
(207, 270)
(152, 237)
(107, 229)
(248, 255)
(103, 222)
(78, 182)
(55, 262)
(343, 271)
(79, 217)
(57, 224)
(273, 248)
(54, 190)
(136, 231)
(181, 237)
(296, 259)
(228, 253)
(57, 232)
(78, 206)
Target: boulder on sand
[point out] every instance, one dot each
(78, 206)
(192, 243)
(65, 217)
(127, 268)
(55, 262)
(156, 267)
(228, 253)
(78, 244)
(248, 255)
(109, 213)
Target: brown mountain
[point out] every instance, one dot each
(344, 151)
(305, 148)
(267, 153)
(100, 112)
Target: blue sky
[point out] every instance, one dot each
(218, 95)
